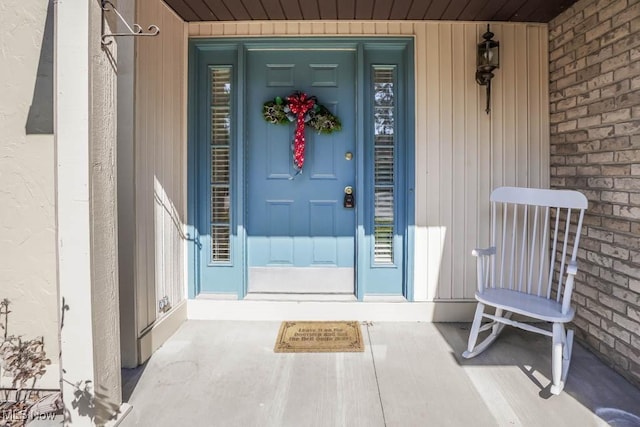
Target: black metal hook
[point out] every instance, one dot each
(135, 30)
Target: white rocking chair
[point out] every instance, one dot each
(522, 271)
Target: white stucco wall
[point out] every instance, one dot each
(27, 221)
(104, 214)
(85, 143)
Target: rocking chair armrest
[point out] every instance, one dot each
(572, 270)
(480, 252)
(482, 255)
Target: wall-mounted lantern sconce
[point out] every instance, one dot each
(488, 60)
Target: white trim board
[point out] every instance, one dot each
(154, 337)
(207, 309)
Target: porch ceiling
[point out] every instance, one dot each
(454, 10)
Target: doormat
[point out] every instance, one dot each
(319, 337)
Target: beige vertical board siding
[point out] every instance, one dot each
(543, 146)
(421, 268)
(446, 117)
(485, 163)
(157, 171)
(503, 144)
(179, 50)
(140, 149)
(154, 115)
(176, 202)
(471, 151)
(160, 177)
(183, 135)
(166, 170)
(545, 136)
(145, 214)
(430, 249)
(461, 153)
(522, 114)
(510, 121)
(533, 124)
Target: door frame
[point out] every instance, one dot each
(235, 50)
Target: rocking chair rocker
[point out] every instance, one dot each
(526, 271)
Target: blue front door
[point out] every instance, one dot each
(300, 236)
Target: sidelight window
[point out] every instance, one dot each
(220, 182)
(384, 139)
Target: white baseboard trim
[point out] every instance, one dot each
(454, 311)
(155, 336)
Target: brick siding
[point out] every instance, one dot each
(595, 148)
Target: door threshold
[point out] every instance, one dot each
(268, 310)
(266, 296)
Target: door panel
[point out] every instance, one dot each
(300, 238)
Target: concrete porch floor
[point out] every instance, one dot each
(214, 373)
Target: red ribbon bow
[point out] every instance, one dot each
(299, 104)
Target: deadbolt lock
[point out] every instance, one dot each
(349, 199)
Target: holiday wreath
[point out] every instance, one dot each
(304, 110)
